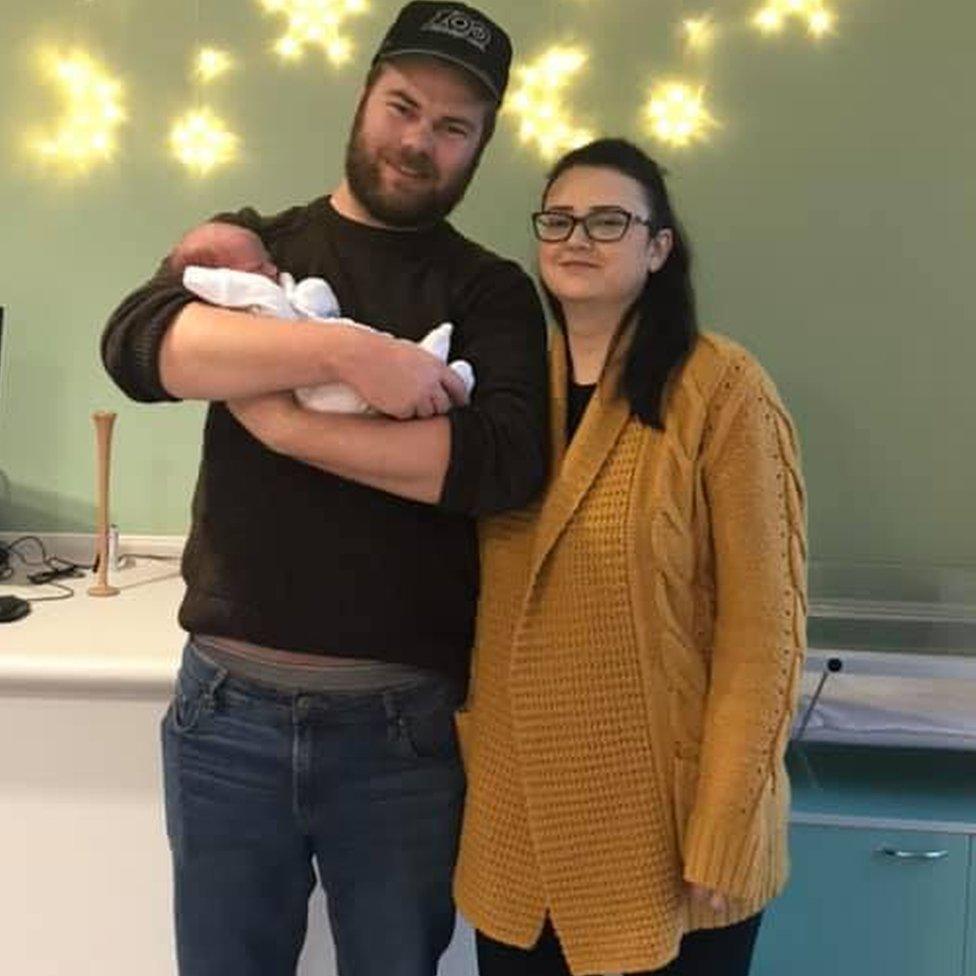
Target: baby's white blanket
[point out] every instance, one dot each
(310, 298)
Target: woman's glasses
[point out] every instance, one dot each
(604, 226)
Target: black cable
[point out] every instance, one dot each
(832, 666)
(67, 594)
(12, 549)
(55, 571)
(54, 568)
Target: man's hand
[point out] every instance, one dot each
(397, 377)
(715, 900)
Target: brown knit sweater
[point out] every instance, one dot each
(639, 643)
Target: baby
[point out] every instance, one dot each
(229, 266)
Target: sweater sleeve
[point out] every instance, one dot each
(756, 501)
(135, 330)
(499, 441)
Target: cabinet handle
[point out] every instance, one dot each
(912, 855)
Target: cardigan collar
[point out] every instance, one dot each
(574, 468)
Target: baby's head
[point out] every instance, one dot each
(217, 245)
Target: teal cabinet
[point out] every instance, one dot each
(883, 877)
(864, 902)
(969, 967)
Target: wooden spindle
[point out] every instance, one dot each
(104, 421)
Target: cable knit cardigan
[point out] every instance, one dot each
(639, 643)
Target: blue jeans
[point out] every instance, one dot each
(259, 783)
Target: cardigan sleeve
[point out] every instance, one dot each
(756, 502)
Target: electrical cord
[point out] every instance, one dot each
(66, 594)
(129, 558)
(55, 568)
(12, 549)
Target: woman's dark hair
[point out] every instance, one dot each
(667, 323)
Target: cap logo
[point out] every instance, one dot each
(458, 24)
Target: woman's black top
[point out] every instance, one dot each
(578, 396)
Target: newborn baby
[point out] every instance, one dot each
(229, 266)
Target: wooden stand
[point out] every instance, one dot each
(104, 421)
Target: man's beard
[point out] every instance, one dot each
(423, 207)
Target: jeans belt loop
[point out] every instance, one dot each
(213, 686)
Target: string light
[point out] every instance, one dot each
(211, 63)
(85, 135)
(201, 141)
(699, 32)
(537, 100)
(675, 113)
(815, 14)
(315, 22)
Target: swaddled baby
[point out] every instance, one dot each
(229, 266)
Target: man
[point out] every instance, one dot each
(330, 600)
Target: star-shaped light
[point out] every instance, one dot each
(699, 32)
(675, 113)
(202, 142)
(85, 135)
(817, 16)
(211, 63)
(538, 101)
(317, 23)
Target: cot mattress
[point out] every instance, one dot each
(903, 681)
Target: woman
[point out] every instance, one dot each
(641, 629)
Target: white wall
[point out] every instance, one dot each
(85, 867)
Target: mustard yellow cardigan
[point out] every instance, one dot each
(639, 643)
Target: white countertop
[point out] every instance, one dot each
(128, 644)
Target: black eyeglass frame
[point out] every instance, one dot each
(632, 218)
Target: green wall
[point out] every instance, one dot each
(832, 211)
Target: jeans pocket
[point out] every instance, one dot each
(189, 702)
(429, 734)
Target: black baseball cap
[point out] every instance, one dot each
(453, 32)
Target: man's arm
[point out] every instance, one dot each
(133, 337)
(500, 443)
(479, 459)
(210, 353)
(161, 343)
(405, 458)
